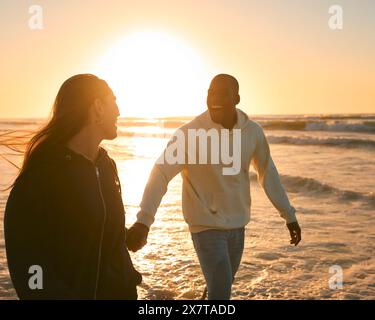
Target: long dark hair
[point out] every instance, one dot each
(68, 116)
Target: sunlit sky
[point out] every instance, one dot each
(159, 56)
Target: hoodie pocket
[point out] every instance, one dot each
(212, 203)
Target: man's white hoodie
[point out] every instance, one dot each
(211, 199)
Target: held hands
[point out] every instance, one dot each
(295, 232)
(136, 237)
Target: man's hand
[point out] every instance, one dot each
(136, 237)
(295, 232)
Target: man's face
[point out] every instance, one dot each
(221, 101)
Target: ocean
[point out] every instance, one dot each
(327, 166)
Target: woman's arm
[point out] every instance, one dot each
(27, 238)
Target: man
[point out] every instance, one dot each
(217, 206)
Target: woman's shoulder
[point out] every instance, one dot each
(103, 152)
(39, 167)
(31, 179)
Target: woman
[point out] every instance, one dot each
(64, 215)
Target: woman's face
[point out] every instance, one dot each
(110, 113)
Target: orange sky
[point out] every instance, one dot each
(283, 53)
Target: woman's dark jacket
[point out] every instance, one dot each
(65, 214)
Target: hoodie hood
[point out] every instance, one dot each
(60, 154)
(242, 120)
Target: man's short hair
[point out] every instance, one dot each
(222, 77)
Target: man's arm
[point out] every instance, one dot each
(155, 189)
(269, 179)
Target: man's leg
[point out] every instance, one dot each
(212, 250)
(236, 242)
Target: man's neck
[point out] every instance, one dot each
(85, 143)
(230, 123)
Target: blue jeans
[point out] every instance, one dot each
(219, 253)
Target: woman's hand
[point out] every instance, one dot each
(136, 237)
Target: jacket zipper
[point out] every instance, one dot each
(102, 231)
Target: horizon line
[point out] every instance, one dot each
(193, 116)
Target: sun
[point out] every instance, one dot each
(155, 74)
